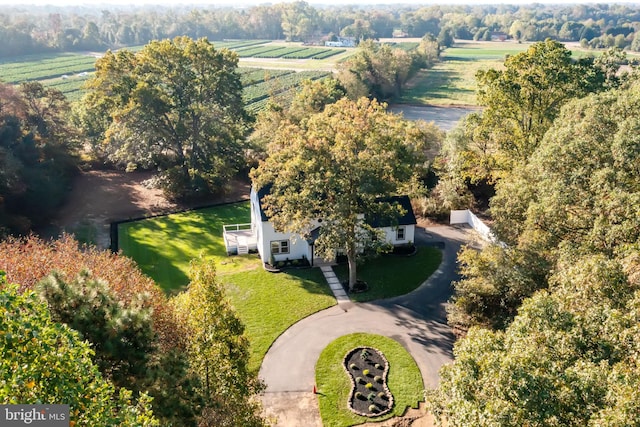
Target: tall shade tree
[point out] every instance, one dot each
(175, 105)
(570, 357)
(36, 155)
(218, 351)
(378, 71)
(522, 100)
(335, 167)
(580, 189)
(45, 361)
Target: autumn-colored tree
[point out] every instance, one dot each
(29, 260)
(218, 351)
(138, 340)
(45, 361)
(335, 167)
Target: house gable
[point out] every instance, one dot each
(398, 231)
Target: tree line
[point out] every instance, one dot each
(548, 316)
(52, 29)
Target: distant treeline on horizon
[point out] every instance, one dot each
(79, 28)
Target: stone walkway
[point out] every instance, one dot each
(336, 287)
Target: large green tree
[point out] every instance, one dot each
(378, 71)
(520, 102)
(334, 167)
(175, 105)
(45, 361)
(37, 161)
(579, 189)
(570, 357)
(218, 351)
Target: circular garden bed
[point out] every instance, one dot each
(368, 368)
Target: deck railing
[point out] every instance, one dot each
(236, 227)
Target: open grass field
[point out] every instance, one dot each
(267, 303)
(404, 380)
(452, 80)
(391, 275)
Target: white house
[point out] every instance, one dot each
(261, 236)
(342, 42)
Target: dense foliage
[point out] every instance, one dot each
(36, 155)
(40, 29)
(562, 290)
(122, 337)
(378, 71)
(176, 105)
(142, 341)
(569, 358)
(27, 261)
(335, 166)
(45, 361)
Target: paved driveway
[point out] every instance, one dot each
(416, 320)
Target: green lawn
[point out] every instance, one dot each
(164, 246)
(267, 303)
(404, 380)
(392, 275)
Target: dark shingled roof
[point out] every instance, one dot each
(261, 193)
(408, 218)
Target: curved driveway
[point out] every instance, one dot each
(416, 320)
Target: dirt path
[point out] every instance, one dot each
(101, 197)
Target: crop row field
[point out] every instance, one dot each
(287, 52)
(45, 68)
(406, 46)
(277, 86)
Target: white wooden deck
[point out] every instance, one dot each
(239, 239)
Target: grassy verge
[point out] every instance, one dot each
(404, 380)
(391, 275)
(267, 303)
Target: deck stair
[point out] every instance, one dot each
(243, 245)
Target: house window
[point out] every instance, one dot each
(280, 247)
(400, 233)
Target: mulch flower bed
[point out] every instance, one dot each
(368, 368)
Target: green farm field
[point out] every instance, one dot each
(263, 74)
(451, 82)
